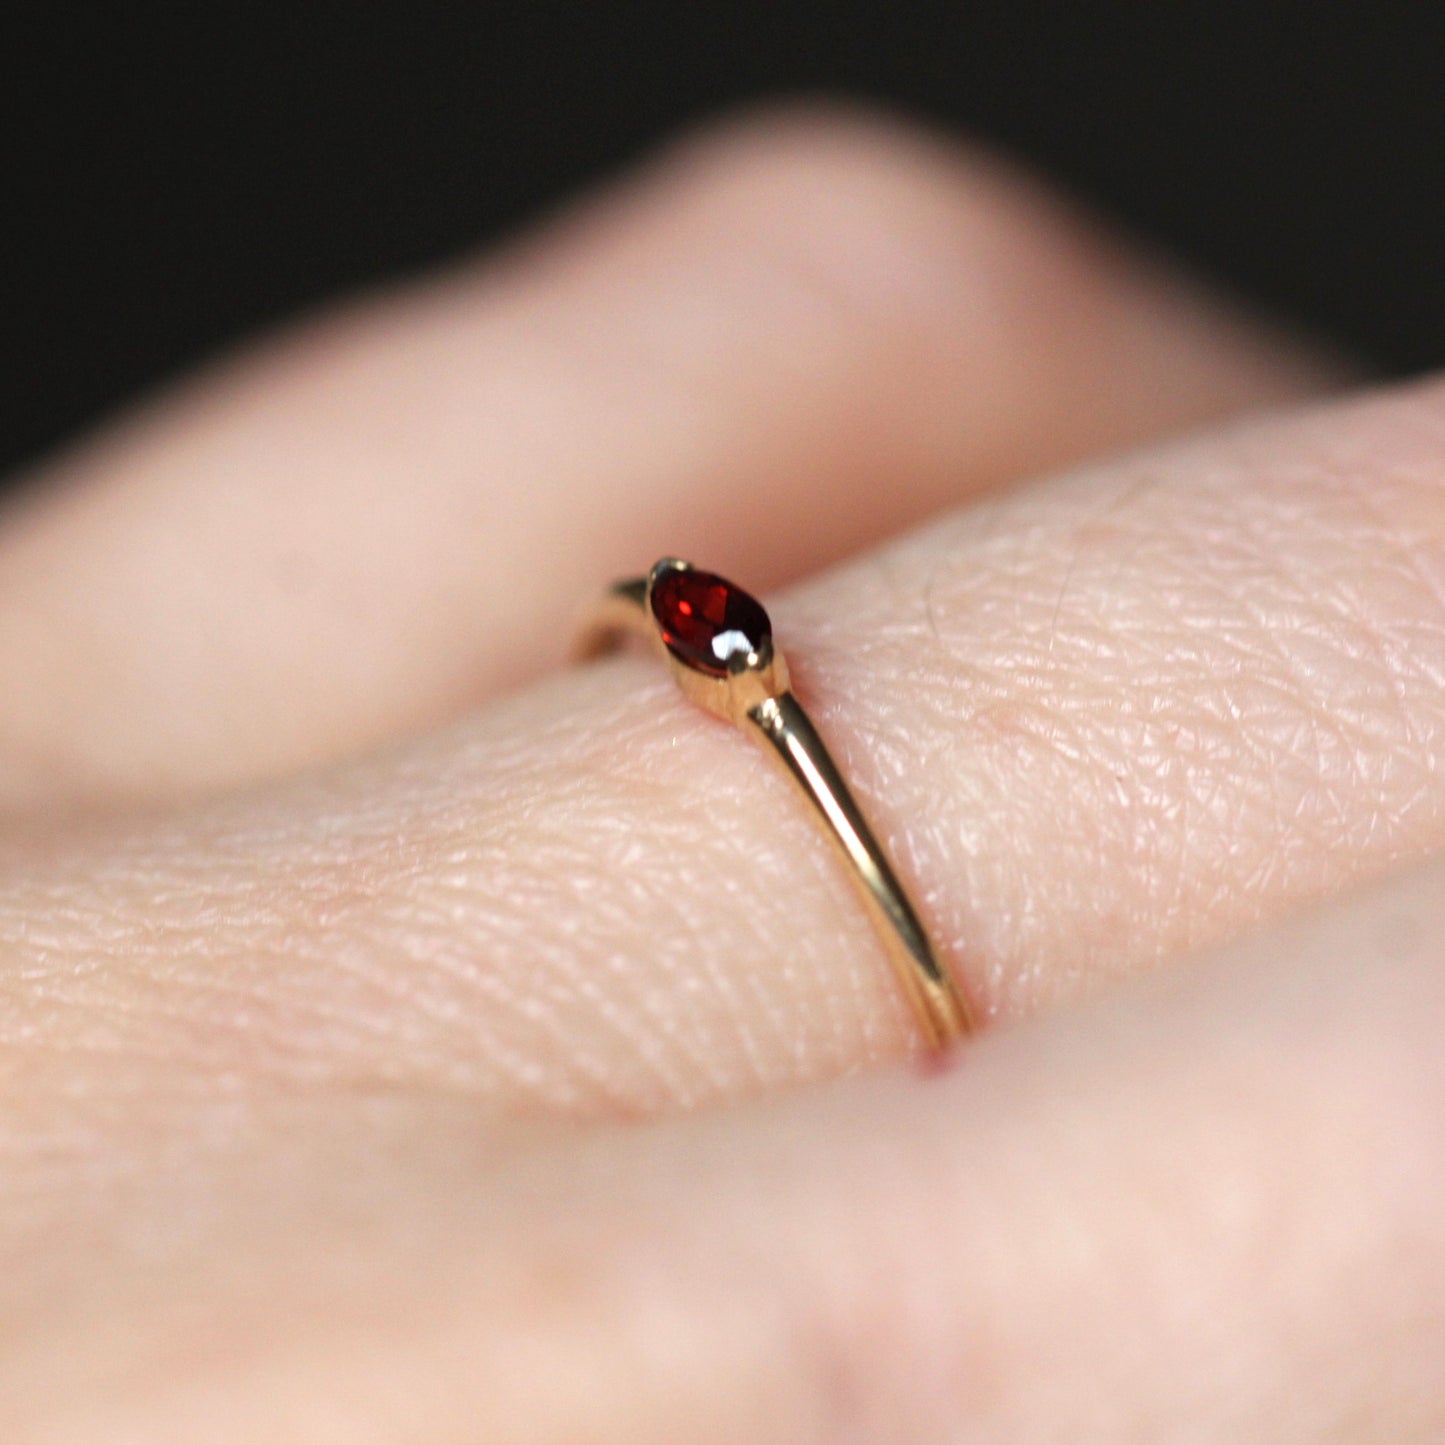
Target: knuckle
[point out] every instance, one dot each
(894, 219)
(875, 156)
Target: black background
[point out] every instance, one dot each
(176, 176)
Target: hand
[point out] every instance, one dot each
(394, 1055)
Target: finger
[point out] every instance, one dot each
(1207, 1210)
(780, 341)
(1101, 722)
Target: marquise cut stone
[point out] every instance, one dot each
(705, 619)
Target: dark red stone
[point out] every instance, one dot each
(705, 619)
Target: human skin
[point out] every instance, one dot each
(407, 1038)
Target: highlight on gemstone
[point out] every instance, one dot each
(705, 620)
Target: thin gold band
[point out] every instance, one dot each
(718, 644)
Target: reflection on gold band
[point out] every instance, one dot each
(748, 685)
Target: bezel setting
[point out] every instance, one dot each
(745, 681)
(738, 684)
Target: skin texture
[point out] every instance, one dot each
(776, 343)
(390, 1053)
(1190, 689)
(1027, 1244)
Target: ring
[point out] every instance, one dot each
(718, 643)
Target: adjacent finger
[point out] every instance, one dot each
(781, 340)
(1207, 1210)
(1101, 722)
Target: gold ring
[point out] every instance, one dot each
(718, 643)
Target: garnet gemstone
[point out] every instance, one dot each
(705, 619)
